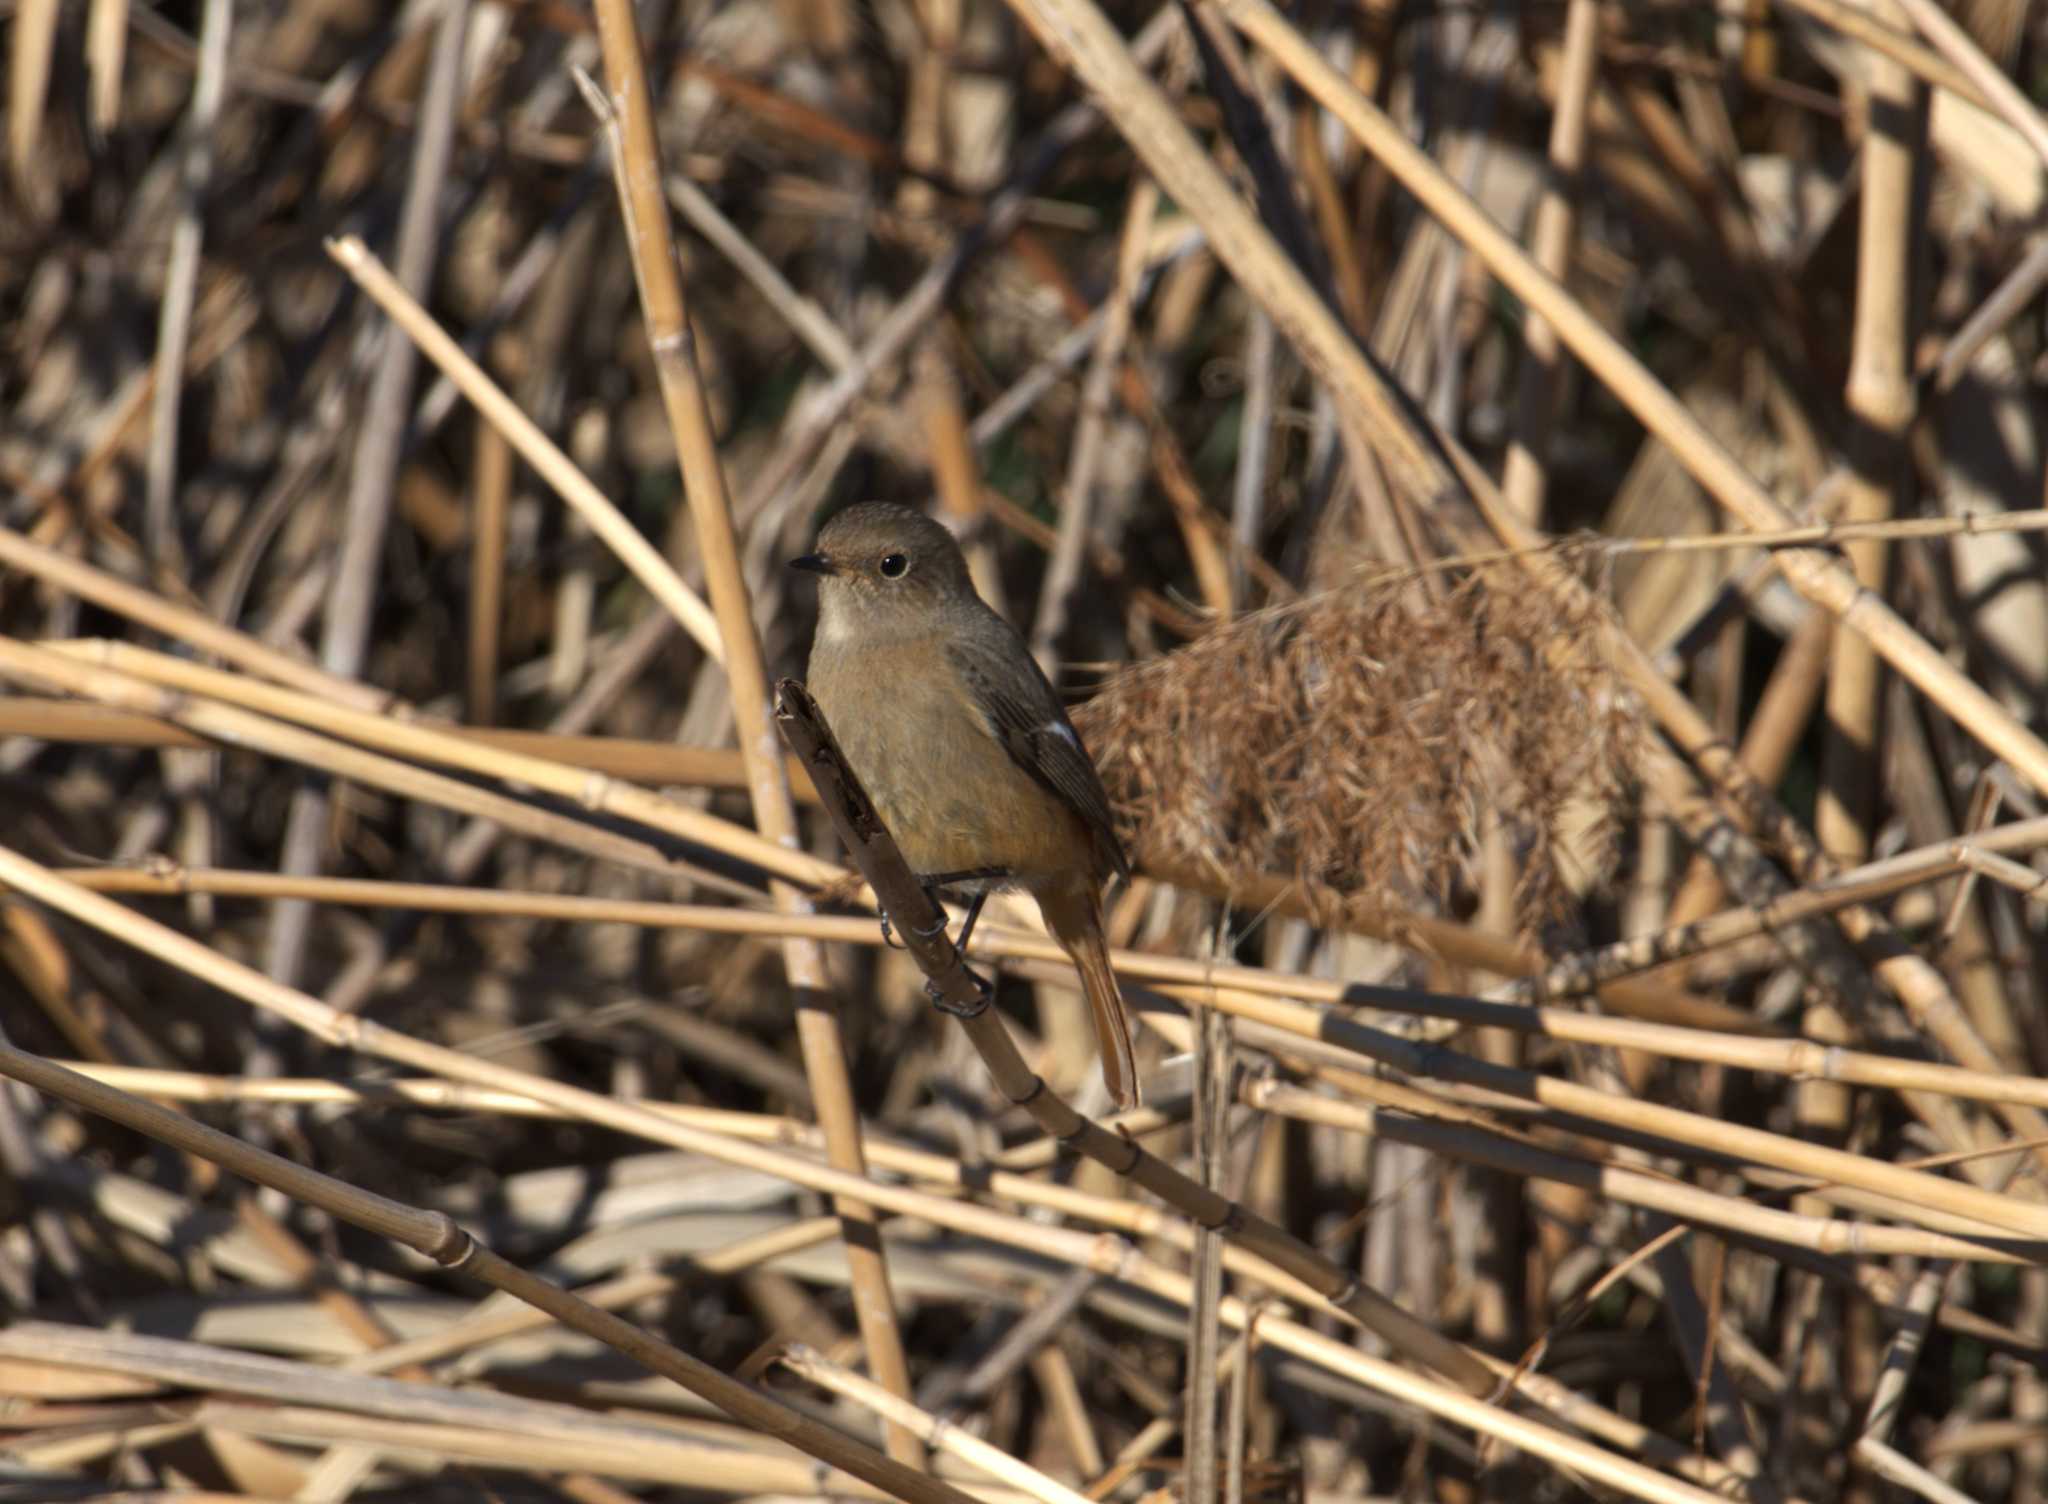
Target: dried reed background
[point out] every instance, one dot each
(1627, 974)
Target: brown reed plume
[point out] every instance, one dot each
(1362, 740)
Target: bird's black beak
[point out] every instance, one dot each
(814, 564)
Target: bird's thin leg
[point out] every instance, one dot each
(984, 990)
(967, 925)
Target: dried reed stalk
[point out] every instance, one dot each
(435, 1235)
(636, 162)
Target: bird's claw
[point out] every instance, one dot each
(938, 928)
(984, 994)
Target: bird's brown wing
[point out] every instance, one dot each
(1028, 719)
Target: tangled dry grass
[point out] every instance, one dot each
(1365, 741)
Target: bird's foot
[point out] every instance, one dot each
(984, 994)
(936, 929)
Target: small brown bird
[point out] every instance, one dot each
(961, 743)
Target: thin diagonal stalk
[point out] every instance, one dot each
(918, 919)
(636, 160)
(438, 1237)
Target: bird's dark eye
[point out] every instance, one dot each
(895, 566)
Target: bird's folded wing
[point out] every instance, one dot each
(1032, 726)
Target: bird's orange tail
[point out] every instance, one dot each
(1076, 922)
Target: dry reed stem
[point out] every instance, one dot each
(181, 279)
(146, 608)
(438, 1237)
(1371, 414)
(31, 45)
(1523, 479)
(808, 1363)
(1077, 490)
(350, 599)
(491, 491)
(1900, 46)
(1880, 401)
(1473, 1144)
(641, 761)
(628, 118)
(1824, 895)
(533, 446)
(1298, 1005)
(2001, 95)
(229, 725)
(114, 670)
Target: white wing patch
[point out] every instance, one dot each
(1062, 730)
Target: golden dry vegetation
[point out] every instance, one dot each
(1539, 509)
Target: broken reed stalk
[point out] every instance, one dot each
(626, 112)
(920, 922)
(437, 1236)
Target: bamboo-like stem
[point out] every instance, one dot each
(181, 278)
(1817, 576)
(1824, 895)
(236, 727)
(1789, 1057)
(956, 469)
(2001, 95)
(535, 447)
(486, 1325)
(633, 758)
(1768, 742)
(351, 595)
(436, 1235)
(627, 114)
(1372, 413)
(805, 318)
(807, 1363)
(138, 679)
(1523, 478)
(1880, 400)
(1901, 47)
(491, 496)
(1477, 1145)
(182, 623)
(1077, 491)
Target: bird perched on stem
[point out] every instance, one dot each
(962, 744)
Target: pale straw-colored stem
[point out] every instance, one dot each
(1523, 479)
(1880, 399)
(1077, 491)
(806, 1362)
(626, 111)
(2001, 95)
(402, 738)
(535, 447)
